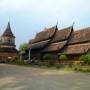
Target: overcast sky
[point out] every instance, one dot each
(27, 17)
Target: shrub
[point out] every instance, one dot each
(48, 58)
(58, 66)
(77, 63)
(51, 62)
(63, 57)
(82, 58)
(82, 68)
(15, 58)
(85, 58)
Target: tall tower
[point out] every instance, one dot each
(8, 38)
(7, 44)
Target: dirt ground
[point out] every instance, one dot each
(14, 77)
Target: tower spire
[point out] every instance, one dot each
(8, 31)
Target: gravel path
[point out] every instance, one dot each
(26, 78)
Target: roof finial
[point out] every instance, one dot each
(57, 23)
(73, 24)
(8, 25)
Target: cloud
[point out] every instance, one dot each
(44, 5)
(49, 10)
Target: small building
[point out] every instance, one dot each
(7, 45)
(71, 42)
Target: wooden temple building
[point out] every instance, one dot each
(7, 45)
(71, 42)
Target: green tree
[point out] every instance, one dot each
(23, 47)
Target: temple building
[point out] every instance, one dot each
(71, 42)
(7, 45)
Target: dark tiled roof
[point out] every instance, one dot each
(8, 31)
(31, 41)
(77, 48)
(65, 41)
(62, 34)
(59, 40)
(55, 46)
(45, 35)
(39, 44)
(80, 36)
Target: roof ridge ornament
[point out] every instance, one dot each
(57, 24)
(8, 25)
(73, 24)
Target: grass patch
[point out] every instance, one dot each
(58, 66)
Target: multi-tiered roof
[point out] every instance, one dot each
(64, 40)
(7, 42)
(8, 31)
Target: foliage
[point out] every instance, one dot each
(61, 54)
(50, 63)
(81, 68)
(77, 63)
(47, 57)
(18, 62)
(85, 58)
(62, 57)
(23, 47)
(58, 66)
